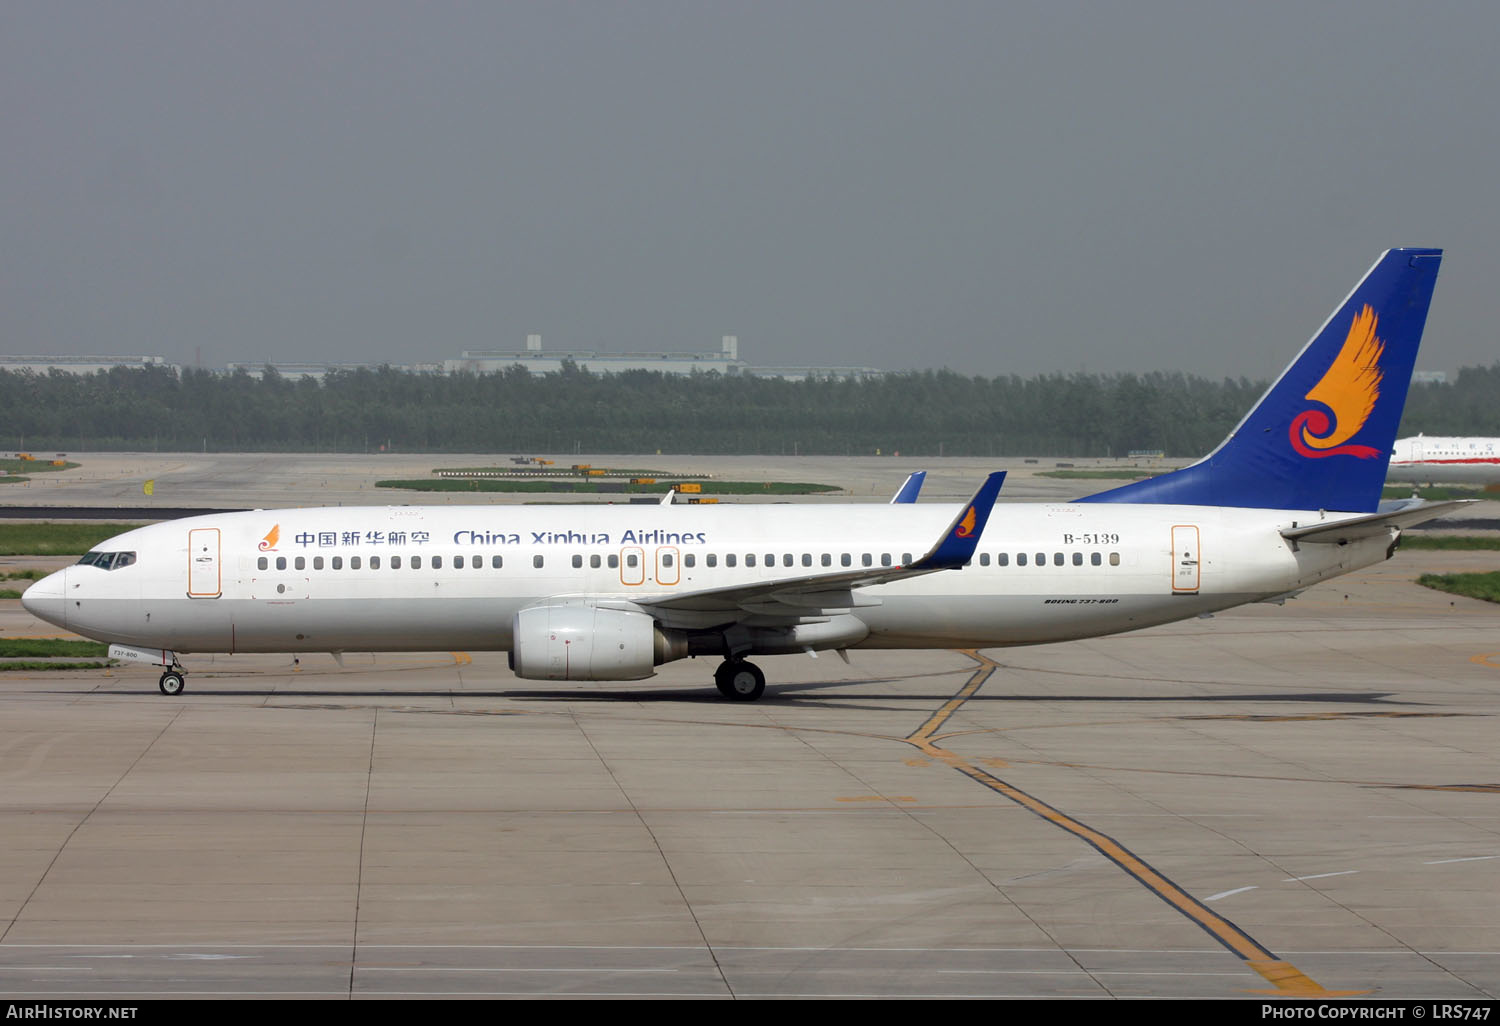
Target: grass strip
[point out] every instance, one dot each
(21, 648)
(1448, 542)
(1479, 586)
(16, 466)
(50, 539)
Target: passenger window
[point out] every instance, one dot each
(828, 559)
(1078, 559)
(614, 561)
(885, 559)
(538, 562)
(749, 559)
(1002, 559)
(458, 562)
(786, 559)
(690, 561)
(1041, 559)
(867, 560)
(416, 562)
(374, 562)
(906, 559)
(353, 562)
(807, 559)
(300, 563)
(594, 562)
(984, 559)
(712, 559)
(437, 562)
(1114, 559)
(317, 562)
(1020, 559)
(281, 562)
(729, 559)
(846, 560)
(477, 561)
(1095, 559)
(497, 562)
(263, 563)
(770, 559)
(1057, 559)
(577, 562)
(395, 562)
(338, 562)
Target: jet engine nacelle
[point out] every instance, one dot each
(582, 642)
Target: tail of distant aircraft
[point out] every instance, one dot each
(1321, 436)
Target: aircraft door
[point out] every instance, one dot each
(668, 570)
(203, 563)
(1185, 559)
(632, 566)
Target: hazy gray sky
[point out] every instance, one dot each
(991, 187)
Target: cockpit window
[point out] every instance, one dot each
(107, 560)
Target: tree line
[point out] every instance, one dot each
(917, 413)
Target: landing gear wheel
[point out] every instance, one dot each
(739, 681)
(172, 682)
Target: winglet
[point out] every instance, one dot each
(956, 547)
(909, 490)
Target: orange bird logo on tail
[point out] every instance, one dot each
(966, 526)
(268, 543)
(1349, 388)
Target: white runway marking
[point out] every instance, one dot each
(1225, 894)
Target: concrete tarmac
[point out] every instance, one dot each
(1294, 801)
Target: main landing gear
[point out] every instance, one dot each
(173, 681)
(739, 681)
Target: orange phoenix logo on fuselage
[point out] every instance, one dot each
(1349, 388)
(966, 526)
(268, 543)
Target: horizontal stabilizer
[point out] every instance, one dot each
(1409, 514)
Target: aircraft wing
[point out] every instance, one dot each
(820, 594)
(1405, 513)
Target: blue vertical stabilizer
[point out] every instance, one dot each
(1321, 436)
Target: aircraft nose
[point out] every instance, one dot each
(44, 599)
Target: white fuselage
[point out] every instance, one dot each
(299, 580)
(1425, 460)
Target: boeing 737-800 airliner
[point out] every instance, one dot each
(1290, 498)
